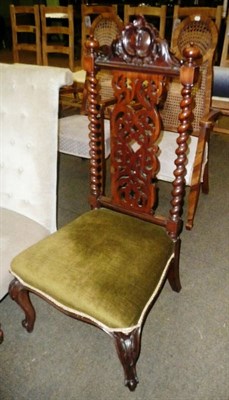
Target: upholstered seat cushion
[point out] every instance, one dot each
(103, 265)
(17, 233)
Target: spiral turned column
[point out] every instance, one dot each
(96, 142)
(188, 77)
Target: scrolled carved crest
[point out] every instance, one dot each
(140, 44)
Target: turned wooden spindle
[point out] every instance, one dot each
(188, 77)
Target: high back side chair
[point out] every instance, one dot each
(57, 26)
(203, 33)
(26, 31)
(108, 266)
(149, 12)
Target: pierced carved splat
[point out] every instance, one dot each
(135, 127)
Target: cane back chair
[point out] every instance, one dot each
(109, 265)
(88, 14)
(157, 14)
(26, 31)
(105, 28)
(214, 13)
(203, 33)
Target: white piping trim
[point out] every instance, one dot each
(100, 324)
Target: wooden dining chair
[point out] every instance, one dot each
(26, 31)
(203, 33)
(157, 15)
(108, 266)
(57, 28)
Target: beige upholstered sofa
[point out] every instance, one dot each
(29, 97)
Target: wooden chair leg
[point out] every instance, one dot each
(20, 294)
(128, 350)
(174, 275)
(1, 335)
(196, 184)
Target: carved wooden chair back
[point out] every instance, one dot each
(108, 266)
(202, 32)
(26, 31)
(155, 15)
(57, 22)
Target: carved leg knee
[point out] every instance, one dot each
(20, 294)
(128, 350)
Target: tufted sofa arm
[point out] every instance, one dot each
(29, 100)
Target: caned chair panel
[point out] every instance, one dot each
(88, 14)
(26, 31)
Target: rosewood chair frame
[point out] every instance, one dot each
(140, 75)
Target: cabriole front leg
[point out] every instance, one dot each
(20, 294)
(128, 350)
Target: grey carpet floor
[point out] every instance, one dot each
(185, 342)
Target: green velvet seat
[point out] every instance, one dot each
(84, 275)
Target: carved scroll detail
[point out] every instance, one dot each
(140, 44)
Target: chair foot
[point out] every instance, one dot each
(128, 350)
(20, 294)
